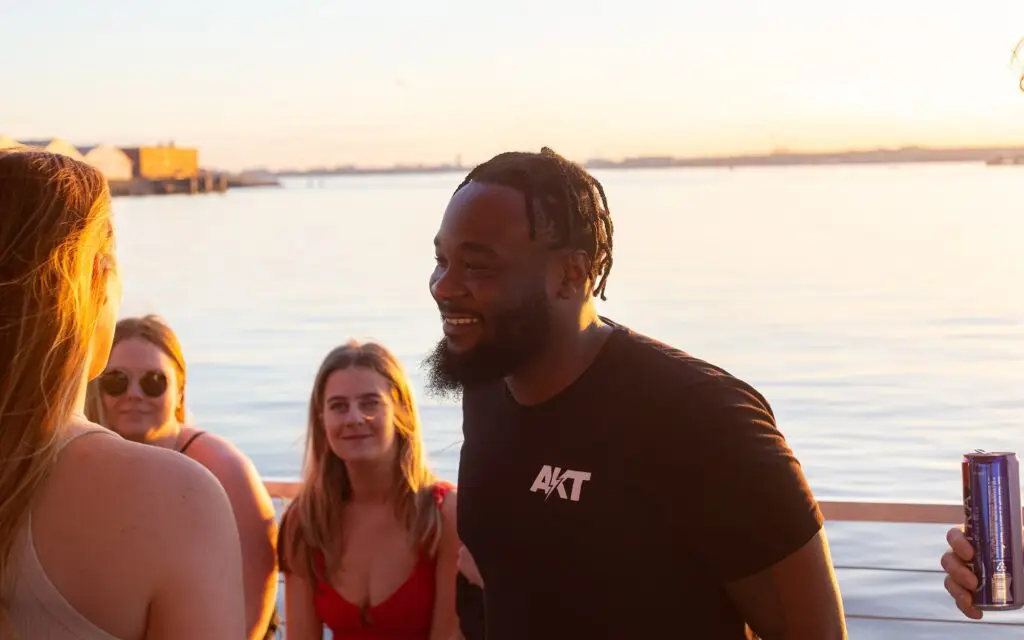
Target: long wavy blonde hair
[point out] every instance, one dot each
(314, 518)
(56, 248)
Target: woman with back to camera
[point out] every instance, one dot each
(100, 538)
(369, 545)
(141, 396)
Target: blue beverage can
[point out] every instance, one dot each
(992, 522)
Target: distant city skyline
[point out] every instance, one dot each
(398, 82)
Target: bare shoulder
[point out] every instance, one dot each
(182, 516)
(292, 555)
(127, 511)
(211, 449)
(237, 474)
(450, 509)
(226, 461)
(137, 468)
(159, 483)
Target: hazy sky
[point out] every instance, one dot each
(331, 81)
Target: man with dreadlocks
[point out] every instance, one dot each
(610, 486)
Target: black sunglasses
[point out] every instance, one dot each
(115, 383)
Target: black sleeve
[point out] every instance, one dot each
(753, 506)
(469, 604)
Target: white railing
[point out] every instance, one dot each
(836, 511)
(281, 489)
(893, 512)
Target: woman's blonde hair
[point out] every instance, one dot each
(314, 521)
(56, 250)
(154, 330)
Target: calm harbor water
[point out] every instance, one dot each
(878, 308)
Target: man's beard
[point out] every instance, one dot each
(519, 336)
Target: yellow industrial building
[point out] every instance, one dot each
(163, 162)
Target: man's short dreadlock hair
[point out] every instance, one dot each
(570, 201)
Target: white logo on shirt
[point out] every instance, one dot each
(552, 480)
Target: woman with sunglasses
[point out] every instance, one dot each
(369, 546)
(141, 396)
(100, 538)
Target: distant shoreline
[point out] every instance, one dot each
(907, 155)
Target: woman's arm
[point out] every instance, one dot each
(445, 621)
(199, 594)
(301, 621)
(300, 618)
(257, 529)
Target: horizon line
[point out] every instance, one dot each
(778, 153)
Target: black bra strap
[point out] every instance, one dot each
(189, 442)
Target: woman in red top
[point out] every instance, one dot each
(369, 546)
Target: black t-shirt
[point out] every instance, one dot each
(620, 507)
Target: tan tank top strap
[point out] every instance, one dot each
(75, 430)
(60, 616)
(46, 612)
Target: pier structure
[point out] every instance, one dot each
(161, 169)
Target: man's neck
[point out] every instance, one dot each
(573, 349)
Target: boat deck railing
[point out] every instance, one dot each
(835, 511)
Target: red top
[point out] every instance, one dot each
(406, 614)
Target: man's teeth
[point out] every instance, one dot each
(461, 320)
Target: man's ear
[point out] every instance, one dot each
(575, 275)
